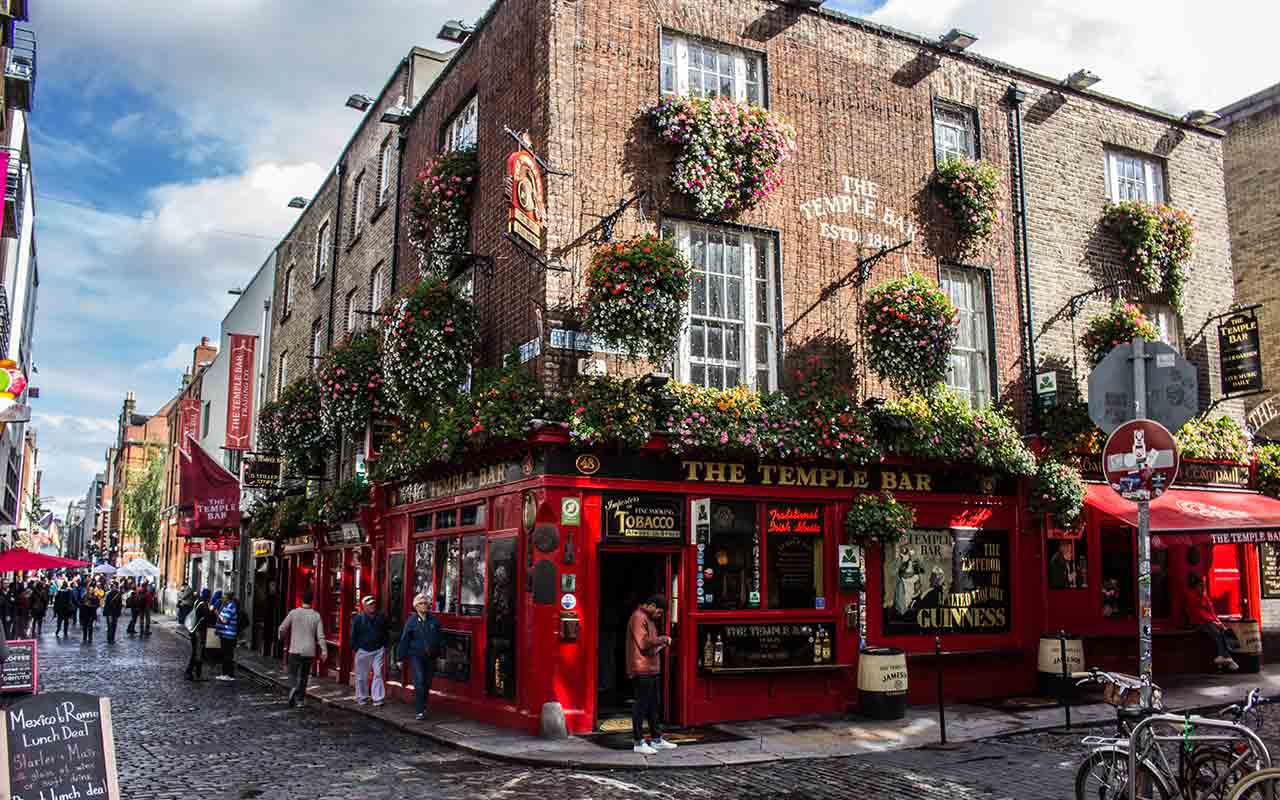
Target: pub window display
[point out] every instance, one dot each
(1068, 563)
(424, 567)
(448, 557)
(1117, 572)
(729, 562)
(473, 565)
(947, 581)
(794, 556)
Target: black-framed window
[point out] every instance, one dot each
(728, 576)
(357, 205)
(955, 131)
(462, 130)
(286, 293)
(323, 242)
(386, 162)
(971, 371)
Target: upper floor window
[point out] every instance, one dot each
(969, 374)
(351, 311)
(732, 332)
(317, 344)
(357, 206)
(282, 373)
(463, 130)
(1134, 177)
(1168, 323)
(955, 132)
(702, 69)
(322, 252)
(385, 167)
(286, 292)
(377, 291)
(204, 422)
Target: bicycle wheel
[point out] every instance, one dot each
(1260, 785)
(1104, 775)
(1210, 773)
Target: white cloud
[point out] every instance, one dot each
(178, 358)
(1173, 55)
(100, 426)
(127, 124)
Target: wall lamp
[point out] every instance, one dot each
(235, 291)
(360, 102)
(456, 31)
(1082, 79)
(298, 202)
(396, 115)
(1201, 117)
(957, 40)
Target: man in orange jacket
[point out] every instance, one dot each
(644, 669)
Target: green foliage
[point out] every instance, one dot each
(1220, 439)
(438, 218)
(343, 502)
(1067, 428)
(610, 411)
(292, 426)
(1116, 327)
(970, 191)
(636, 296)
(943, 427)
(503, 404)
(878, 518)
(909, 326)
(1268, 469)
(351, 386)
(1059, 492)
(1157, 242)
(144, 504)
(428, 348)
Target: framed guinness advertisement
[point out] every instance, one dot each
(1269, 565)
(947, 581)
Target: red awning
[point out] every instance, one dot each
(1220, 517)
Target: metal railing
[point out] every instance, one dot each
(6, 321)
(20, 69)
(15, 195)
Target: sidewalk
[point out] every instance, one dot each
(760, 741)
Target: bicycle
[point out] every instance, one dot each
(1208, 766)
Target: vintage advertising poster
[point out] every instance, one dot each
(947, 581)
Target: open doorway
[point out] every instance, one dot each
(626, 579)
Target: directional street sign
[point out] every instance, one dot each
(1173, 388)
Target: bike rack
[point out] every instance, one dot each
(1240, 732)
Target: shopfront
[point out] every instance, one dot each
(535, 564)
(346, 575)
(298, 560)
(267, 611)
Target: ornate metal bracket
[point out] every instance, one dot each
(523, 141)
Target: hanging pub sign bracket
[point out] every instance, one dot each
(855, 277)
(610, 221)
(1233, 310)
(522, 140)
(542, 262)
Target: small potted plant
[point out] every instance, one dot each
(878, 518)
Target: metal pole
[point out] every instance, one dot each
(1144, 534)
(1063, 693)
(942, 709)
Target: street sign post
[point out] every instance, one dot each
(1171, 393)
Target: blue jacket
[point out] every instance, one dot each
(228, 620)
(419, 638)
(368, 632)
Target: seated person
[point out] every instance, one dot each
(1201, 614)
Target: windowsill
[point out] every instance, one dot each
(355, 238)
(377, 212)
(318, 281)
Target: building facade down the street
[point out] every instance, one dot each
(139, 439)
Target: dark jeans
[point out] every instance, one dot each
(228, 656)
(112, 624)
(88, 618)
(64, 625)
(1219, 637)
(133, 621)
(646, 706)
(37, 624)
(183, 611)
(195, 664)
(423, 672)
(299, 672)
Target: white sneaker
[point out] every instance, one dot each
(225, 678)
(644, 749)
(662, 744)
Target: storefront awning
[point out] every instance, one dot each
(1218, 517)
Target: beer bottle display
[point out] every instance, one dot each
(707, 652)
(719, 656)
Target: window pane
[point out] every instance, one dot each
(762, 381)
(753, 94)
(668, 48)
(733, 257)
(695, 79)
(733, 344)
(726, 86)
(668, 78)
(708, 59)
(732, 376)
(698, 375)
(729, 566)
(794, 558)
(698, 297)
(697, 340)
(763, 339)
(753, 70)
(473, 575)
(1117, 573)
(715, 377)
(698, 250)
(715, 253)
(716, 296)
(734, 298)
(715, 342)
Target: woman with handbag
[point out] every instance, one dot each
(197, 626)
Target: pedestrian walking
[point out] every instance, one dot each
(112, 608)
(90, 602)
(419, 645)
(144, 607)
(369, 639)
(644, 643)
(39, 605)
(131, 602)
(6, 611)
(64, 608)
(304, 631)
(186, 601)
(22, 611)
(228, 630)
(201, 614)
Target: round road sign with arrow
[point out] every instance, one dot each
(1140, 460)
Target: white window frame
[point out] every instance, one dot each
(947, 118)
(750, 363)
(377, 285)
(282, 372)
(980, 319)
(322, 252)
(1167, 321)
(674, 55)
(463, 129)
(357, 195)
(1121, 166)
(317, 342)
(384, 169)
(287, 291)
(351, 308)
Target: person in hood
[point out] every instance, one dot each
(201, 614)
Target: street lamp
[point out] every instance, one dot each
(298, 202)
(360, 102)
(1082, 79)
(396, 115)
(455, 30)
(957, 40)
(1201, 117)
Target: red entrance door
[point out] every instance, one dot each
(1226, 579)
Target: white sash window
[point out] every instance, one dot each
(695, 68)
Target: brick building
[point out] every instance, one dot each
(173, 561)
(139, 438)
(1252, 165)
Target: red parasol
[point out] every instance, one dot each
(21, 560)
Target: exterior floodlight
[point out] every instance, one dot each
(1082, 79)
(298, 202)
(1202, 117)
(360, 102)
(455, 30)
(957, 40)
(396, 115)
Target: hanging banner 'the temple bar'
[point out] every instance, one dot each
(189, 420)
(213, 493)
(240, 392)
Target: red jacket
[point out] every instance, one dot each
(1200, 610)
(642, 644)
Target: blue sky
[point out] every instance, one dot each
(166, 144)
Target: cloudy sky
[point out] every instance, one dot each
(166, 144)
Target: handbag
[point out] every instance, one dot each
(211, 640)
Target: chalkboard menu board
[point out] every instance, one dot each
(766, 647)
(1269, 561)
(947, 581)
(454, 661)
(58, 745)
(21, 672)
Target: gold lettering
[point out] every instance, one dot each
(888, 480)
(737, 473)
(924, 483)
(766, 474)
(807, 476)
(861, 479)
(715, 471)
(842, 481)
(828, 475)
(786, 476)
(691, 470)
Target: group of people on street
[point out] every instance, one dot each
(213, 622)
(23, 606)
(83, 599)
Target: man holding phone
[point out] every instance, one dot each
(644, 643)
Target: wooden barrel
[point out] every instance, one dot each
(882, 682)
(1049, 665)
(1247, 651)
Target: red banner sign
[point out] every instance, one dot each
(212, 493)
(240, 392)
(189, 421)
(193, 547)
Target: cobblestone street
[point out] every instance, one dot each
(216, 740)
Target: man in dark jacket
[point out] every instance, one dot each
(112, 608)
(64, 608)
(369, 640)
(203, 615)
(419, 645)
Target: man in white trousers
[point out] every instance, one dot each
(369, 640)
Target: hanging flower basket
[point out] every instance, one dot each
(416, 447)
(878, 518)
(427, 352)
(636, 295)
(292, 425)
(942, 427)
(909, 326)
(1066, 429)
(730, 154)
(1156, 242)
(1118, 326)
(438, 222)
(352, 389)
(343, 502)
(1219, 439)
(1059, 492)
(608, 411)
(969, 191)
(503, 405)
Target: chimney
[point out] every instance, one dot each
(204, 354)
(130, 403)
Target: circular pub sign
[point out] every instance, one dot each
(1140, 460)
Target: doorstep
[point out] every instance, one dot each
(758, 741)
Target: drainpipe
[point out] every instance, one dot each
(1016, 96)
(401, 139)
(337, 236)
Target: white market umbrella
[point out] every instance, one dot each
(104, 569)
(139, 568)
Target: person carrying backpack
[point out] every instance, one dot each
(112, 607)
(197, 623)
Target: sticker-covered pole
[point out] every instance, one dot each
(1144, 534)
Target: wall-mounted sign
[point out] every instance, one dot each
(457, 483)
(800, 518)
(641, 517)
(240, 392)
(349, 533)
(1240, 353)
(785, 646)
(260, 471)
(571, 511)
(297, 544)
(1047, 389)
(193, 547)
(527, 213)
(947, 581)
(263, 548)
(59, 745)
(188, 422)
(1140, 460)
(1269, 563)
(866, 218)
(850, 567)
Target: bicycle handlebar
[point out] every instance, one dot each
(1253, 700)
(1119, 679)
